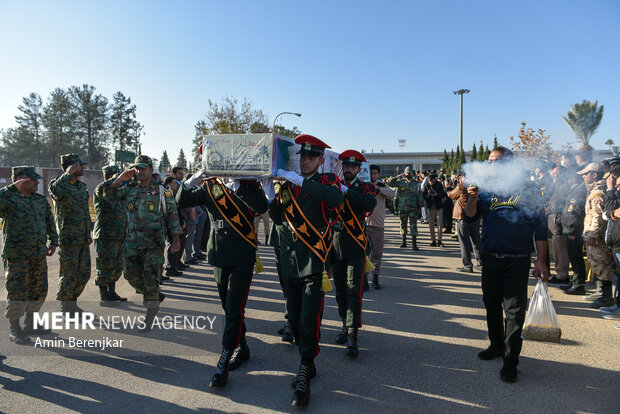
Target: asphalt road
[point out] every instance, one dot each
(418, 349)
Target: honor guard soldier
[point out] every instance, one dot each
(28, 227)
(231, 250)
(151, 207)
(305, 207)
(109, 233)
(350, 245)
(410, 203)
(70, 197)
(274, 241)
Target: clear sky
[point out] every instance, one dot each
(362, 73)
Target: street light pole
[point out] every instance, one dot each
(282, 113)
(461, 92)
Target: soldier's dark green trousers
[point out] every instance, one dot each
(348, 275)
(281, 279)
(143, 270)
(74, 271)
(305, 301)
(26, 285)
(233, 286)
(110, 261)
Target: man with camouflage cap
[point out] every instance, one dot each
(70, 197)
(410, 202)
(109, 234)
(28, 227)
(151, 208)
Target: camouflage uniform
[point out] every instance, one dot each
(73, 223)
(151, 208)
(109, 234)
(28, 225)
(410, 202)
(599, 254)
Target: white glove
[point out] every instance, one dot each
(291, 176)
(233, 184)
(194, 179)
(269, 189)
(344, 188)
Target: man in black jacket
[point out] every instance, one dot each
(573, 216)
(434, 194)
(612, 213)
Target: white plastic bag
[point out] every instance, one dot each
(541, 321)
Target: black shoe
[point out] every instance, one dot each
(490, 353)
(433, 244)
(375, 282)
(182, 265)
(341, 339)
(113, 294)
(148, 320)
(465, 269)
(404, 243)
(287, 334)
(220, 377)
(161, 297)
(281, 330)
(191, 262)
(16, 334)
(239, 356)
(172, 272)
(555, 281)
(566, 287)
(29, 326)
(105, 299)
(199, 256)
(576, 290)
(414, 244)
(301, 395)
(312, 373)
(164, 278)
(508, 373)
(352, 350)
(440, 244)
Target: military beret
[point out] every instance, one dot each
(311, 145)
(68, 159)
(27, 171)
(142, 161)
(352, 157)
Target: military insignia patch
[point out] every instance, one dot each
(286, 196)
(151, 207)
(168, 193)
(276, 187)
(130, 207)
(217, 191)
(351, 159)
(308, 146)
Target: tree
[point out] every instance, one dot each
(58, 122)
(91, 117)
(125, 129)
(531, 144)
(200, 130)
(487, 152)
(610, 142)
(474, 153)
(495, 143)
(444, 161)
(17, 144)
(30, 121)
(230, 117)
(181, 161)
(285, 132)
(480, 155)
(164, 162)
(584, 119)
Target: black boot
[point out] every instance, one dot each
(606, 298)
(491, 352)
(508, 373)
(414, 245)
(342, 335)
(598, 294)
(113, 294)
(148, 320)
(287, 334)
(29, 326)
(75, 307)
(404, 243)
(66, 307)
(104, 297)
(352, 350)
(16, 334)
(311, 373)
(220, 377)
(240, 355)
(375, 282)
(301, 395)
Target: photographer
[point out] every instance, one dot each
(433, 194)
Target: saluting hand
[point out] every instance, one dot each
(125, 176)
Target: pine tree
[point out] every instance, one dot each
(474, 153)
(124, 127)
(164, 163)
(90, 123)
(444, 160)
(30, 120)
(481, 152)
(495, 143)
(181, 161)
(58, 121)
(487, 152)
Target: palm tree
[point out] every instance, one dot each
(584, 119)
(609, 143)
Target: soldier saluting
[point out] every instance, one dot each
(151, 208)
(305, 206)
(28, 226)
(410, 203)
(350, 244)
(231, 250)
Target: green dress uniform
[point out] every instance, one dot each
(150, 209)
(232, 256)
(410, 202)
(28, 228)
(349, 256)
(275, 235)
(73, 222)
(301, 268)
(109, 233)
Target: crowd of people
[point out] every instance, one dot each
(151, 229)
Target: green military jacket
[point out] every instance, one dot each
(27, 224)
(408, 193)
(71, 207)
(296, 260)
(361, 197)
(150, 209)
(111, 219)
(225, 246)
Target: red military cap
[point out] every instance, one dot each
(311, 144)
(352, 157)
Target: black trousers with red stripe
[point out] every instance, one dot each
(233, 286)
(304, 301)
(348, 276)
